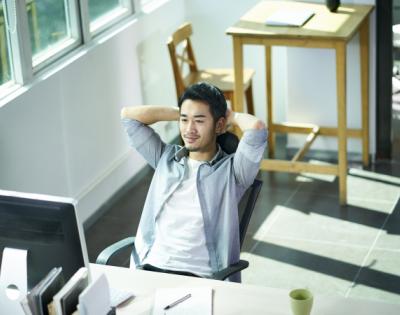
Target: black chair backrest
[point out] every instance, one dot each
(228, 142)
(246, 207)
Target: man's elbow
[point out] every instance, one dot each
(128, 112)
(259, 124)
(124, 112)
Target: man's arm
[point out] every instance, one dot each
(143, 138)
(251, 147)
(243, 121)
(150, 114)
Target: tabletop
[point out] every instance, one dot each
(340, 25)
(228, 298)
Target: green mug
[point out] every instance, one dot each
(301, 301)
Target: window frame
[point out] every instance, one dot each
(104, 22)
(23, 66)
(49, 55)
(19, 45)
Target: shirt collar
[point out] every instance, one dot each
(217, 155)
(183, 152)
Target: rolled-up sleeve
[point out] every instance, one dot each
(145, 140)
(248, 155)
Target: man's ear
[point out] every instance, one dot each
(220, 125)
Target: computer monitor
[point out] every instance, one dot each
(48, 228)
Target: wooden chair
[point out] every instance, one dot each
(222, 78)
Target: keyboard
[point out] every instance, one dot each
(118, 296)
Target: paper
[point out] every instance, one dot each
(200, 302)
(95, 299)
(289, 17)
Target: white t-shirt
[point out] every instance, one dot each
(180, 242)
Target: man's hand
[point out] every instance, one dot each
(229, 119)
(243, 121)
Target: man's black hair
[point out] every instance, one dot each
(215, 99)
(208, 94)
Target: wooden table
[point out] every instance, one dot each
(323, 30)
(228, 298)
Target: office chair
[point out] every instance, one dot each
(246, 207)
(222, 78)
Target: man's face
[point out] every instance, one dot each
(197, 127)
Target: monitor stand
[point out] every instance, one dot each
(13, 280)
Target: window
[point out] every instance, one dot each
(53, 28)
(104, 12)
(34, 33)
(5, 68)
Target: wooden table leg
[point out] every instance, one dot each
(268, 88)
(237, 105)
(364, 57)
(342, 119)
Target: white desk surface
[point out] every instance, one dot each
(230, 298)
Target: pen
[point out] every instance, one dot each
(177, 301)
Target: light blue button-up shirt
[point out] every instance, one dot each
(221, 183)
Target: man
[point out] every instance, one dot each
(189, 223)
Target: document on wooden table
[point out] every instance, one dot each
(286, 17)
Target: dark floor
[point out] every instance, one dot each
(395, 123)
(299, 236)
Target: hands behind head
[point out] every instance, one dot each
(229, 116)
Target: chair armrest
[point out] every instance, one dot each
(113, 249)
(230, 270)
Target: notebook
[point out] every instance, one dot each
(286, 17)
(199, 303)
(66, 300)
(43, 292)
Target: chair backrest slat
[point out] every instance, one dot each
(184, 58)
(182, 33)
(179, 60)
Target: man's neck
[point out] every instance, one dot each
(203, 156)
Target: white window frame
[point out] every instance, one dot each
(23, 63)
(126, 8)
(49, 55)
(20, 53)
(24, 67)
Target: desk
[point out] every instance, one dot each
(228, 298)
(323, 30)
